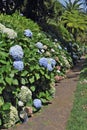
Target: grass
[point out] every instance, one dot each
(78, 117)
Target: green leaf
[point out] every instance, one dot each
(32, 80)
(52, 75)
(1, 79)
(47, 76)
(8, 80)
(32, 88)
(12, 75)
(42, 72)
(37, 67)
(1, 101)
(3, 62)
(6, 106)
(24, 73)
(37, 76)
(15, 82)
(43, 100)
(41, 94)
(31, 68)
(23, 81)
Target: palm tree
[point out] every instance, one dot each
(75, 22)
(76, 5)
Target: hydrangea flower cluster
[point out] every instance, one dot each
(48, 63)
(28, 33)
(17, 54)
(9, 32)
(39, 45)
(20, 104)
(37, 103)
(10, 117)
(25, 94)
(19, 65)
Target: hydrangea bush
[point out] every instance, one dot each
(28, 64)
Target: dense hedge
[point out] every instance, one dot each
(30, 61)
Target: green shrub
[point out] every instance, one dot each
(38, 79)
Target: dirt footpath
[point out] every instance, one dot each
(55, 115)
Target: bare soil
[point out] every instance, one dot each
(55, 115)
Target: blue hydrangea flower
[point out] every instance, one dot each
(48, 63)
(52, 62)
(39, 45)
(19, 65)
(37, 103)
(28, 33)
(49, 67)
(16, 52)
(43, 62)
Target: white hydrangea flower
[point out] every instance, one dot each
(20, 104)
(52, 50)
(10, 33)
(25, 94)
(45, 47)
(10, 118)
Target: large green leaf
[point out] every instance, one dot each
(33, 88)
(6, 106)
(24, 73)
(9, 80)
(15, 82)
(32, 80)
(37, 76)
(23, 81)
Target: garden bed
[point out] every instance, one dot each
(31, 62)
